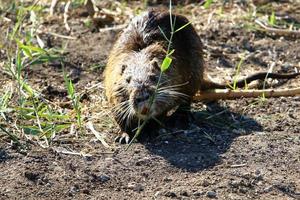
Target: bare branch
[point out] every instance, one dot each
(234, 94)
(283, 32)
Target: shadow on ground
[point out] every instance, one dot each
(211, 135)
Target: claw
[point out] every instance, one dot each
(123, 138)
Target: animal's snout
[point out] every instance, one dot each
(142, 96)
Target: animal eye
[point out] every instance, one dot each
(123, 68)
(152, 78)
(155, 65)
(128, 79)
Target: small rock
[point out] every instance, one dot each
(157, 193)
(170, 194)
(268, 189)
(109, 159)
(104, 178)
(243, 190)
(167, 179)
(257, 172)
(86, 191)
(205, 183)
(184, 193)
(138, 188)
(74, 189)
(32, 176)
(3, 155)
(211, 194)
(135, 187)
(198, 193)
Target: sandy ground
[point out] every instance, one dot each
(235, 149)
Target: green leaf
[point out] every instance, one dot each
(27, 52)
(34, 49)
(27, 88)
(207, 4)
(44, 58)
(31, 130)
(166, 64)
(70, 88)
(272, 19)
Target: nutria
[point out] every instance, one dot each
(133, 69)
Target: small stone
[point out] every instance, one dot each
(198, 193)
(135, 187)
(243, 190)
(86, 191)
(257, 172)
(104, 178)
(234, 183)
(130, 185)
(109, 159)
(184, 193)
(205, 183)
(74, 189)
(32, 176)
(170, 194)
(157, 193)
(138, 188)
(211, 194)
(268, 189)
(166, 179)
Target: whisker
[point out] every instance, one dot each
(173, 86)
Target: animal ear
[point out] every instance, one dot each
(123, 68)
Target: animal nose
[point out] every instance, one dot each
(142, 97)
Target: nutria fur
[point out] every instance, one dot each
(133, 68)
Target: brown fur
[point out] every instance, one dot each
(137, 55)
(142, 38)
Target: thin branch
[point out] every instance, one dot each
(283, 32)
(53, 5)
(98, 135)
(234, 94)
(66, 16)
(59, 35)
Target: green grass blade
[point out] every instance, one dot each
(182, 27)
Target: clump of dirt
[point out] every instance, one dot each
(235, 149)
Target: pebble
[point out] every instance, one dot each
(184, 193)
(268, 189)
(104, 178)
(211, 194)
(198, 193)
(138, 188)
(170, 194)
(135, 187)
(74, 189)
(157, 193)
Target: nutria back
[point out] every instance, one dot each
(133, 67)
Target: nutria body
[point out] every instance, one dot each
(133, 69)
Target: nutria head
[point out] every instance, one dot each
(133, 68)
(140, 91)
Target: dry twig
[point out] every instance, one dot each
(233, 94)
(66, 16)
(98, 135)
(282, 32)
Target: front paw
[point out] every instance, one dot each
(122, 138)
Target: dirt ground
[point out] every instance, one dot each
(235, 149)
